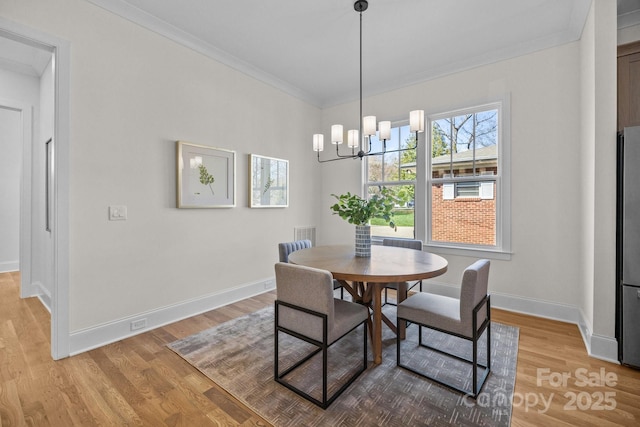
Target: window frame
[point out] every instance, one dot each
(366, 184)
(502, 248)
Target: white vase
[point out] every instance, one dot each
(363, 241)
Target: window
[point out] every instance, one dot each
(465, 176)
(396, 171)
(457, 188)
(467, 189)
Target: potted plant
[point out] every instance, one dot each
(360, 212)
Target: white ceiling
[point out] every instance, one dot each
(22, 58)
(310, 49)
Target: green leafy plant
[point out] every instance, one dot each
(205, 177)
(359, 211)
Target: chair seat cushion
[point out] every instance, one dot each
(434, 310)
(347, 316)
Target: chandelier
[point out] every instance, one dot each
(360, 139)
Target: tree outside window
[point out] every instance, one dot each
(396, 171)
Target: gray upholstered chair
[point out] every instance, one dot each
(401, 243)
(468, 317)
(285, 249)
(306, 309)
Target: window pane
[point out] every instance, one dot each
(403, 215)
(464, 220)
(391, 166)
(464, 145)
(408, 158)
(374, 169)
(386, 170)
(394, 165)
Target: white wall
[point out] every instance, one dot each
(563, 174)
(10, 161)
(18, 89)
(605, 175)
(133, 94)
(544, 142)
(587, 172)
(41, 239)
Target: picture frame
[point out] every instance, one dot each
(206, 176)
(268, 182)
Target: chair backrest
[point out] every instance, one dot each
(286, 248)
(475, 281)
(403, 243)
(306, 287)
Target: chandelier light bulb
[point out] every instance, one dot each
(352, 138)
(416, 121)
(318, 142)
(369, 125)
(337, 135)
(385, 130)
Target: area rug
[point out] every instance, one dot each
(238, 356)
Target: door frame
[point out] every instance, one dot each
(60, 203)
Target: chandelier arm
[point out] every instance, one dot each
(337, 158)
(399, 150)
(369, 150)
(345, 156)
(362, 154)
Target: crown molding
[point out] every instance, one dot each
(629, 19)
(133, 14)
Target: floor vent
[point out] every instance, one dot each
(302, 233)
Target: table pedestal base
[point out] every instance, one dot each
(370, 294)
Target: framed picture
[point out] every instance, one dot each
(268, 182)
(206, 176)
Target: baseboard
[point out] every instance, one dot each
(100, 335)
(597, 346)
(539, 308)
(43, 294)
(9, 266)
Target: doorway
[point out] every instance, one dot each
(43, 254)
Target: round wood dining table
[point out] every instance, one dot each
(365, 278)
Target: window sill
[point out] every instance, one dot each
(469, 252)
(458, 250)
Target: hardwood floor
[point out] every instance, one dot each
(138, 381)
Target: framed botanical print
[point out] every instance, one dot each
(268, 182)
(206, 176)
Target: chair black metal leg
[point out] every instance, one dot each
(324, 376)
(478, 380)
(475, 365)
(275, 341)
(320, 347)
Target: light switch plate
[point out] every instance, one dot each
(117, 213)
